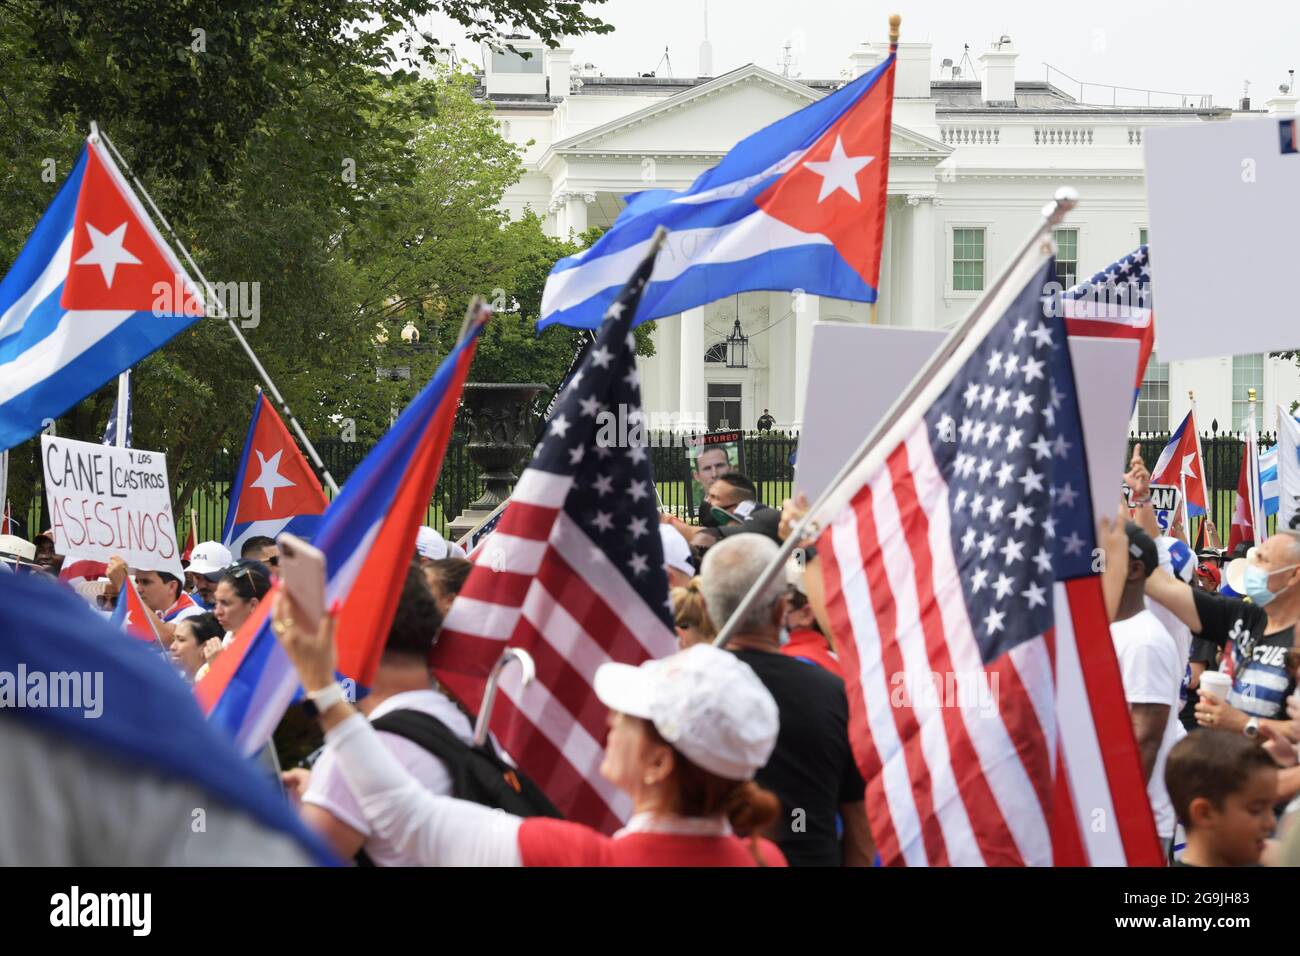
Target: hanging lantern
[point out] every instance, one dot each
(737, 347)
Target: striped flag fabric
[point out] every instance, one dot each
(368, 537)
(986, 710)
(81, 303)
(574, 575)
(274, 489)
(132, 616)
(1269, 489)
(1247, 514)
(1116, 304)
(1287, 467)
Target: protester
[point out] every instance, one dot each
(237, 594)
(207, 563)
(806, 642)
(687, 734)
(677, 557)
(261, 548)
(1223, 789)
(45, 556)
(188, 639)
(812, 769)
(445, 578)
(402, 683)
(691, 615)
(1150, 667)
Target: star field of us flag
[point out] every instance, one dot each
(81, 303)
(799, 204)
(573, 574)
(986, 711)
(1116, 304)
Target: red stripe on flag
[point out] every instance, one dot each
(1067, 842)
(524, 520)
(502, 587)
(909, 731)
(1114, 726)
(996, 844)
(860, 738)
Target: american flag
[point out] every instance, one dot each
(1116, 303)
(958, 571)
(574, 575)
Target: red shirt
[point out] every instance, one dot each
(547, 842)
(811, 645)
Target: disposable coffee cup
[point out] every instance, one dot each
(1216, 683)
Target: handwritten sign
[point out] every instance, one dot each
(108, 501)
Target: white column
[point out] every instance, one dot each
(921, 292)
(806, 313)
(780, 360)
(660, 374)
(575, 207)
(692, 408)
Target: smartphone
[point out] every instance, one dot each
(302, 569)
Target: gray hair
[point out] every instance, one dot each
(729, 570)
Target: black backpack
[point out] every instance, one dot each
(478, 773)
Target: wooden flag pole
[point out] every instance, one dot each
(1053, 213)
(97, 133)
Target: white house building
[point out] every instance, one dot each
(971, 164)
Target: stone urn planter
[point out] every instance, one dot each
(502, 428)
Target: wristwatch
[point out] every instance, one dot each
(319, 701)
(1251, 730)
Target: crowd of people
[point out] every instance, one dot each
(742, 756)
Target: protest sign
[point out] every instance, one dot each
(1224, 199)
(1164, 501)
(711, 456)
(859, 370)
(106, 501)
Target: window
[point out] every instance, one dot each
(716, 352)
(724, 406)
(968, 260)
(1142, 237)
(1247, 373)
(506, 61)
(1153, 399)
(1067, 257)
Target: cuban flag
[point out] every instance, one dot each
(1180, 465)
(798, 205)
(94, 291)
(368, 536)
(1116, 304)
(132, 616)
(183, 607)
(275, 488)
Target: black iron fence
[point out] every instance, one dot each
(768, 459)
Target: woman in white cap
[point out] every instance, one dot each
(686, 735)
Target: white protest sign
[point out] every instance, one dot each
(106, 501)
(859, 370)
(1224, 200)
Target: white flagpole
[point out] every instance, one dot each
(1053, 213)
(123, 393)
(96, 132)
(1205, 481)
(1252, 472)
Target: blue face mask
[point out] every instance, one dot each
(1256, 581)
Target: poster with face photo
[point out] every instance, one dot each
(710, 457)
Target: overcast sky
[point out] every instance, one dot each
(1183, 46)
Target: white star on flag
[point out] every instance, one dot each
(839, 172)
(107, 252)
(270, 477)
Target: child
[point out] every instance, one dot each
(1223, 787)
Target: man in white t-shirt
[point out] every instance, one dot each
(402, 682)
(1152, 672)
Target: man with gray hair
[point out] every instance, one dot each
(812, 768)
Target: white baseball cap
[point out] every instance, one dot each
(677, 552)
(210, 558)
(704, 701)
(429, 544)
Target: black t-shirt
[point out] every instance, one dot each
(812, 768)
(1261, 682)
(1202, 652)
